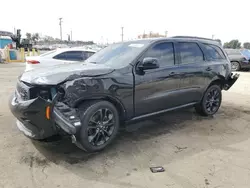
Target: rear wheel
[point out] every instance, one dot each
(235, 66)
(100, 124)
(210, 102)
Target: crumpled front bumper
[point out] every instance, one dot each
(32, 121)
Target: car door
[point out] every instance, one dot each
(192, 68)
(216, 61)
(157, 89)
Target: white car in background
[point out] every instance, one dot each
(57, 57)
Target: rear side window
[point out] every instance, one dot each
(213, 52)
(190, 52)
(86, 55)
(74, 56)
(61, 56)
(70, 56)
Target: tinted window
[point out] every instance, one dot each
(164, 52)
(213, 52)
(190, 53)
(74, 55)
(70, 56)
(61, 56)
(86, 55)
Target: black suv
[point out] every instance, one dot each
(240, 58)
(121, 83)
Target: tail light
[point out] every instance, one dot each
(32, 62)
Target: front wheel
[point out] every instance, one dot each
(100, 124)
(210, 102)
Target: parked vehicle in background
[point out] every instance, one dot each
(122, 83)
(57, 57)
(239, 58)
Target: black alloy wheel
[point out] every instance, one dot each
(210, 102)
(213, 100)
(100, 124)
(100, 127)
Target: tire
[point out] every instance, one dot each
(91, 132)
(235, 66)
(204, 108)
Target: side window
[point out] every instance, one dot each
(164, 52)
(74, 56)
(213, 52)
(190, 52)
(61, 56)
(86, 55)
(70, 56)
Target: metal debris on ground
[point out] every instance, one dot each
(157, 169)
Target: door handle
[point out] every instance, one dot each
(208, 69)
(172, 73)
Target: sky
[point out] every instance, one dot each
(101, 20)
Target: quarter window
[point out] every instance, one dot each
(213, 52)
(190, 53)
(61, 56)
(86, 55)
(164, 52)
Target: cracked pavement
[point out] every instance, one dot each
(196, 152)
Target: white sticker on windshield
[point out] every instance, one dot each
(136, 45)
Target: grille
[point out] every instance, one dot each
(23, 90)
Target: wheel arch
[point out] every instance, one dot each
(116, 102)
(218, 80)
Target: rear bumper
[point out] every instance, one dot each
(245, 64)
(230, 81)
(32, 121)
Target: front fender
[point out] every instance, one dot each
(107, 97)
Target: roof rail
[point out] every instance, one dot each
(191, 37)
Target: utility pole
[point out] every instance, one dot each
(212, 36)
(71, 34)
(166, 33)
(122, 34)
(60, 23)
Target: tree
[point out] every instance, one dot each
(246, 45)
(235, 44)
(35, 37)
(48, 38)
(28, 36)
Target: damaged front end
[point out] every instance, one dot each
(41, 113)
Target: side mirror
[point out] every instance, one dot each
(149, 63)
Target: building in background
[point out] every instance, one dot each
(150, 35)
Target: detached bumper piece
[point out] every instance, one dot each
(31, 117)
(230, 81)
(66, 118)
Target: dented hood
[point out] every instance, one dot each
(54, 75)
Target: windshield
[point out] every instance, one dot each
(47, 53)
(119, 55)
(246, 53)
